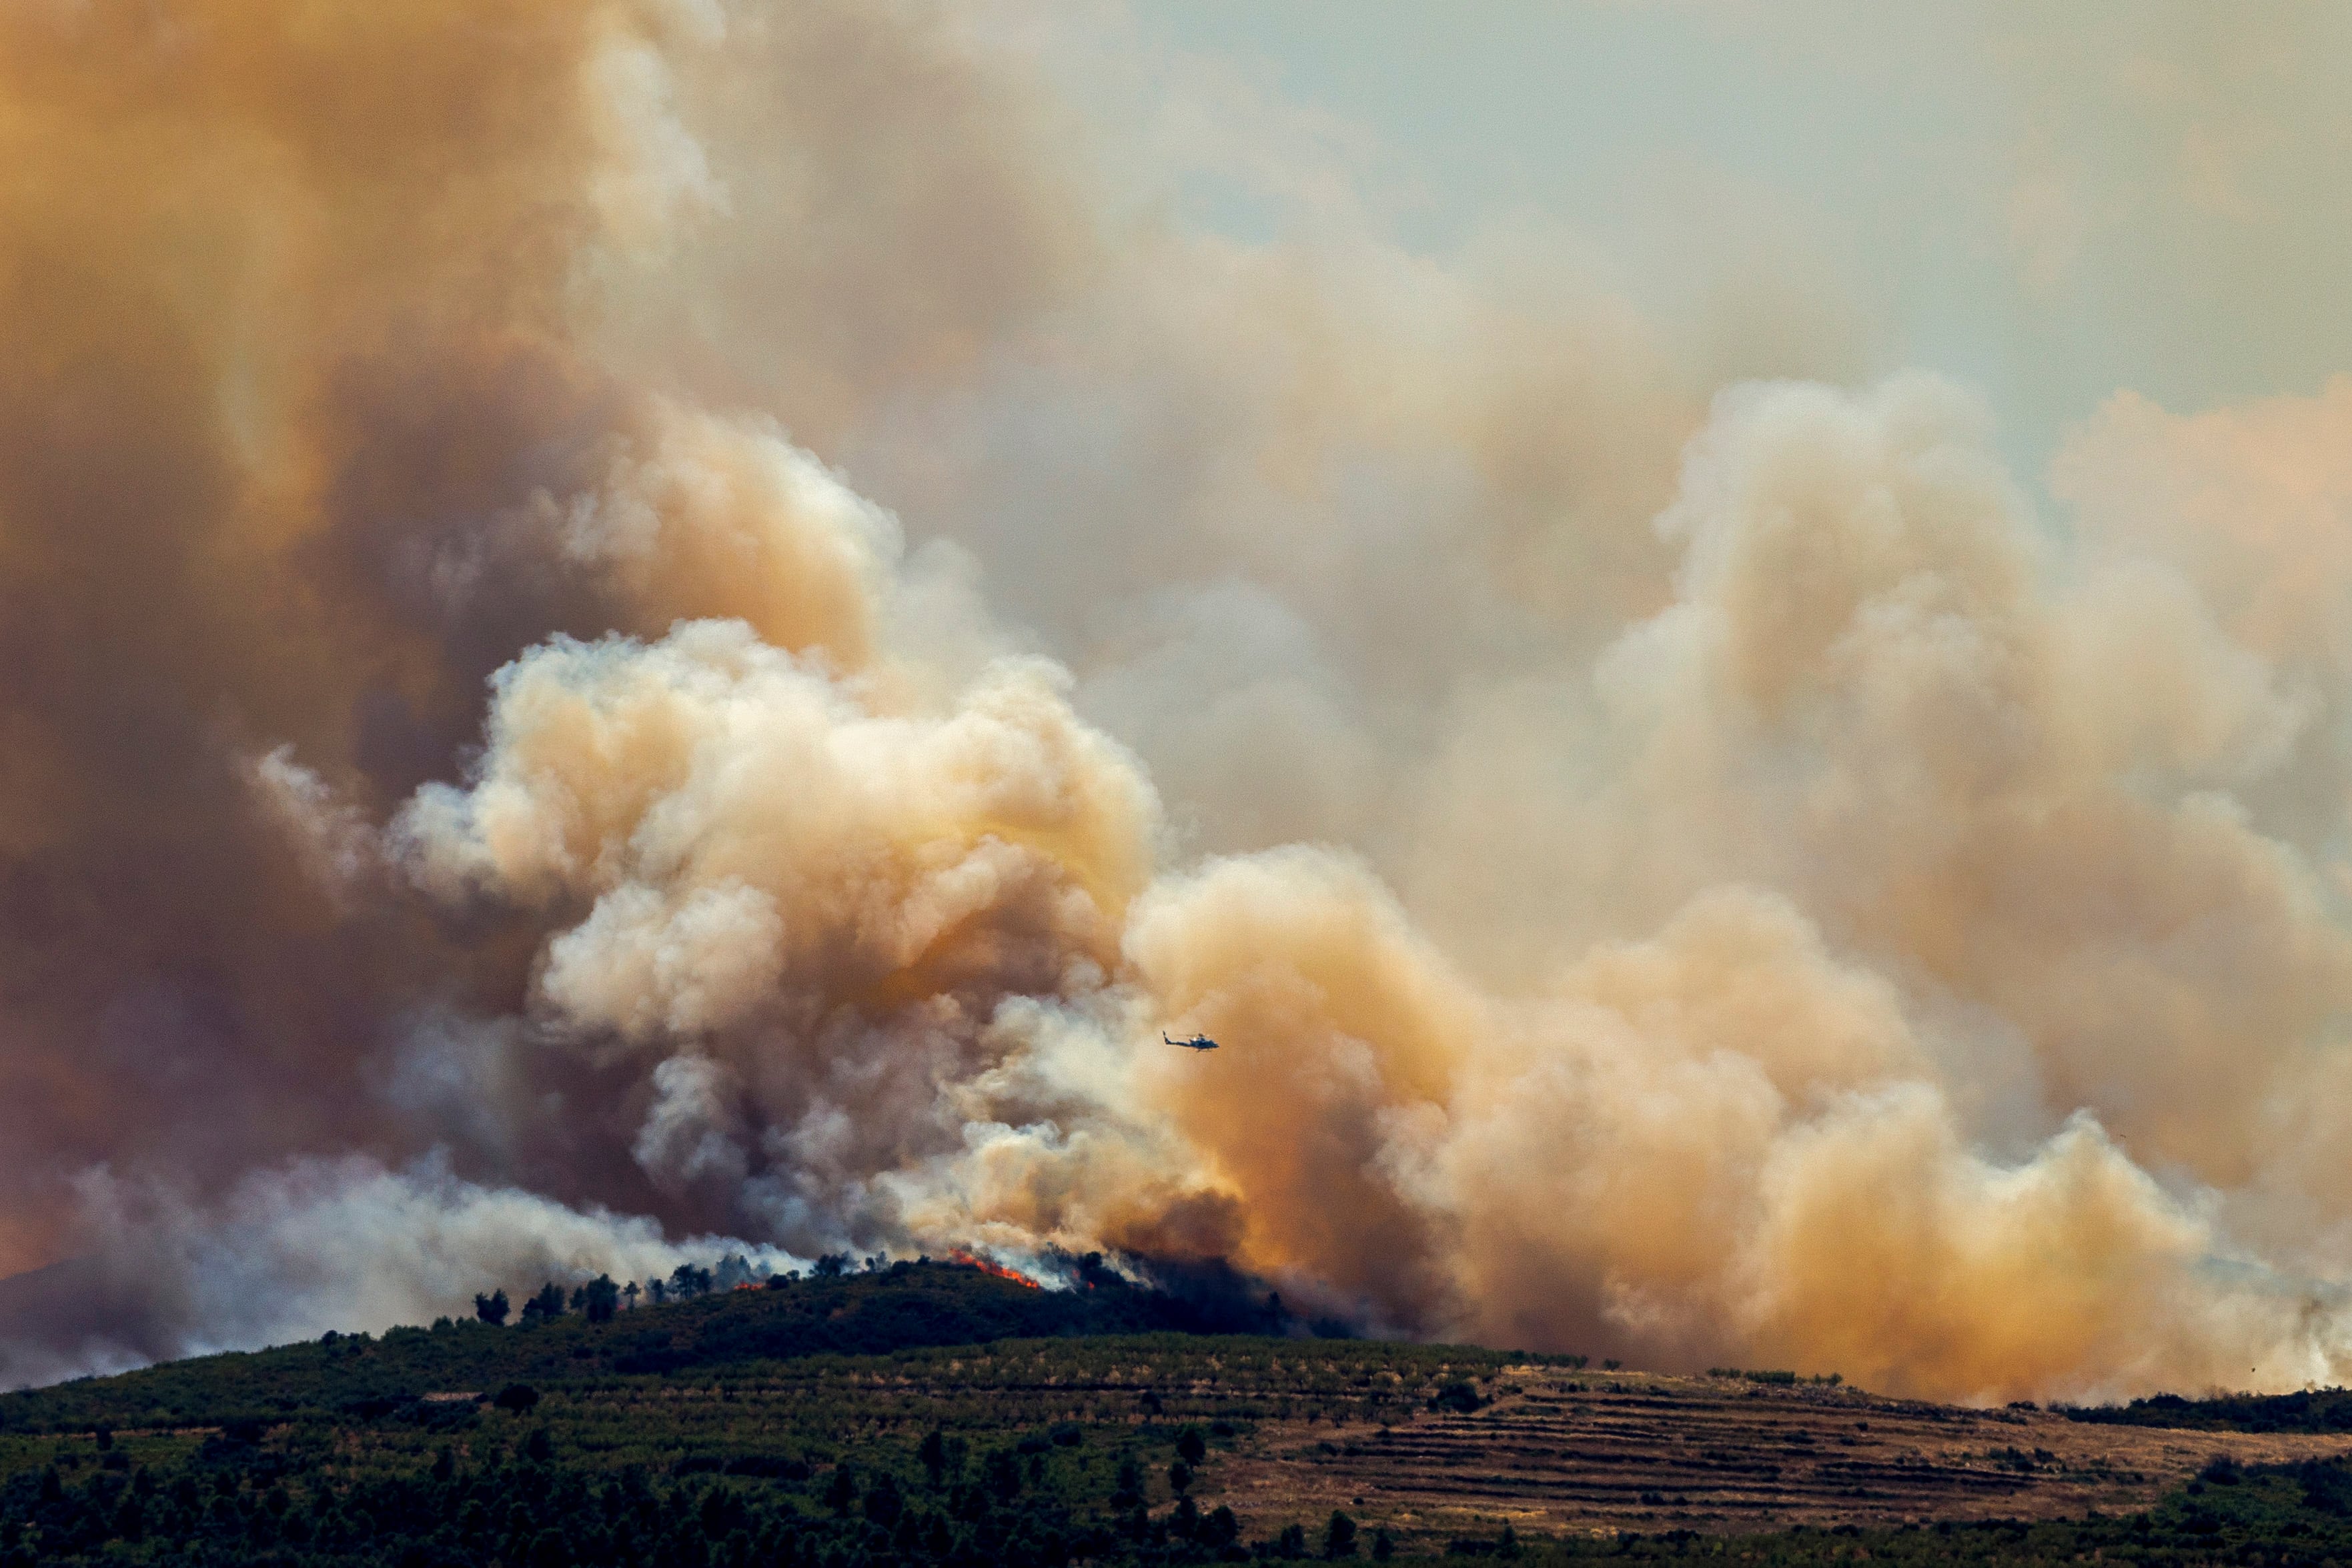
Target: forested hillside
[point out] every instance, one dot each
(903, 1306)
(919, 1413)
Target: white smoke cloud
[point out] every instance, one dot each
(646, 969)
(898, 970)
(689, 1134)
(1700, 881)
(344, 1244)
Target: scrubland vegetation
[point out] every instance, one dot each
(2312, 1410)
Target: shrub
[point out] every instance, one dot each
(1457, 1397)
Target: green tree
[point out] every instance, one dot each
(883, 1504)
(1339, 1536)
(933, 1454)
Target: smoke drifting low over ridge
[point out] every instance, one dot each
(1697, 874)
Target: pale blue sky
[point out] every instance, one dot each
(2049, 203)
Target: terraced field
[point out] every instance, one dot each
(1559, 1452)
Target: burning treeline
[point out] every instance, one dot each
(483, 798)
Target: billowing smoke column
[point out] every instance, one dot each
(483, 803)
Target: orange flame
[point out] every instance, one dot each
(971, 1260)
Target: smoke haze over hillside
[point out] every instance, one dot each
(631, 627)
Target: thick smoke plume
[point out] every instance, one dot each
(1697, 875)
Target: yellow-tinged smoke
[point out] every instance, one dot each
(1846, 924)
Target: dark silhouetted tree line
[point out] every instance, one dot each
(239, 1502)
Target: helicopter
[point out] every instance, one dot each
(1197, 1042)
